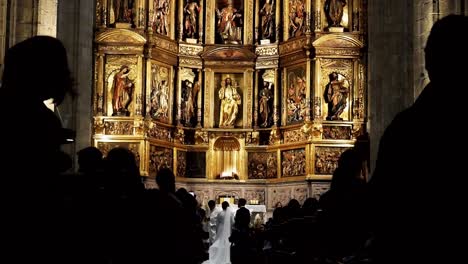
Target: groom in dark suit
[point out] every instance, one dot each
(242, 219)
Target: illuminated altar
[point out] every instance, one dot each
(253, 99)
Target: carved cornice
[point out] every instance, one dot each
(266, 50)
(121, 49)
(166, 44)
(229, 53)
(114, 36)
(267, 63)
(190, 50)
(291, 46)
(189, 62)
(338, 41)
(336, 52)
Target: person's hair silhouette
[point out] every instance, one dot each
(416, 199)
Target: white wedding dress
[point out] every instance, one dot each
(220, 250)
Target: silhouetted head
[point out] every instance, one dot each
(446, 49)
(36, 69)
(211, 204)
(166, 180)
(242, 202)
(225, 205)
(89, 159)
(348, 171)
(123, 169)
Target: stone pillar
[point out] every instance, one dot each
(3, 32)
(75, 29)
(47, 18)
(390, 70)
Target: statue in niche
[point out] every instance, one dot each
(334, 12)
(123, 11)
(230, 101)
(229, 24)
(267, 14)
(265, 110)
(122, 92)
(296, 18)
(159, 96)
(189, 96)
(161, 17)
(336, 95)
(191, 11)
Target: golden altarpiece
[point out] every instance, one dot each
(243, 98)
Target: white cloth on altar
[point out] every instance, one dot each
(220, 250)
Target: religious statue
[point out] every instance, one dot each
(191, 11)
(267, 14)
(122, 92)
(230, 101)
(189, 109)
(334, 12)
(123, 11)
(161, 17)
(264, 103)
(296, 18)
(336, 96)
(228, 25)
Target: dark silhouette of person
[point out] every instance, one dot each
(417, 191)
(35, 70)
(242, 218)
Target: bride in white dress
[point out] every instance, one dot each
(220, 250)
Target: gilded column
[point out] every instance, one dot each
(248, 74)
(317, 16)
(248, 25)
(149, 83)
(210, 22)
(179, 96)
(308, 82)
(276, 99)
(257, 29)
(200, 24)
(105, 8)
(199, 99)
(150, 17)
(181, 20)
(139, 88)
(318, 91)
(100, 84)
(286, 20)
(278, 20)
(209, 105)
(255, 110)
(172, 21)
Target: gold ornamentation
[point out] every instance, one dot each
(275, 136)
(307, 130)
(190, 62)
(293, 45)
(201, 137)
(118, 127)
(227, 143)
(158, 132)
(190, 50)
(266, 50)
(317, 131)
(180, 136)
(166, 44)
(98, 125)
(121, 49)
(294, 136)
(139, 127)
(252, 138)
(337, 132)
(337, 51)
(267, 63)
(120, 36)
(181, 163)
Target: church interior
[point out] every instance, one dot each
(252, 99)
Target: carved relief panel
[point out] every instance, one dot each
(294, 18)
(293, 162)
(161, 17)
(159, 157)
(326, 159)
(160, 92)
(262, 165)
(295, 102)
(134, 147)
